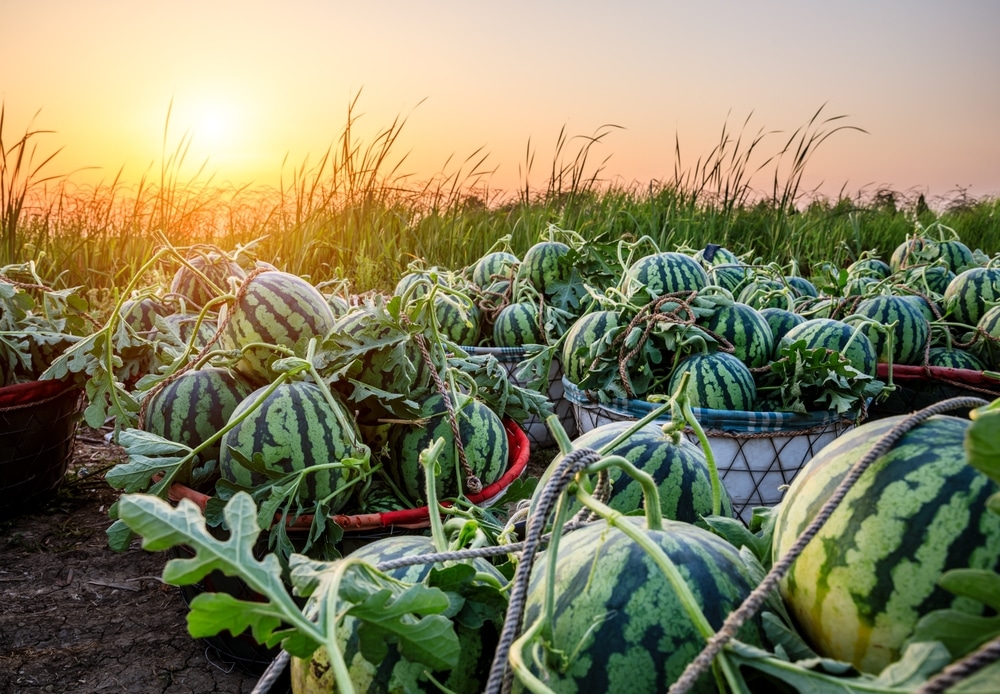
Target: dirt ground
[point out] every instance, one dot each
(76, 616)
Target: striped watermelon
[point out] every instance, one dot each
(780, 321)
(544, 265)
(678, 467)
(273, 308)
(909, 337)
(583, 343)
(182, 327)
(457, 317)
(494, 266)
(954, 358)
(932, 280)
(763, 293)
(745, 329)
(518, 324)
(907, 253)
(483, 437)
(859, 285)
(187, 286)
(140, 314)
(956, 256)
(837, 336)
(724, 267)
(860, 586)
(869, 267)
(194, 406)
(988, 338)
(801, 286)
(415, 284)
(659, 274)
(477, 644)
(618, 625)
(719, 381)
(967, 297)
(294, 428)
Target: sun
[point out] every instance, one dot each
(215, 126)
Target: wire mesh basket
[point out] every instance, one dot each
(38, 423)
(917, 387)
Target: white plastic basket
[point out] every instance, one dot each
(757, 453)
(535, 427)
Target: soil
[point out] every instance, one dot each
(75, 616)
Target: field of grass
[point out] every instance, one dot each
(353, 215)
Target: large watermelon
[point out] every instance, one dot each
(618, 625)
(718, 381)
(295, 428)
(659, 274)
(987, 346)
(477, 644)
(193, 407)
(188, 287)
(274, 308)
(745, 329)
(678, 467)
(544, 266)
(971, 293)
(780, 321)
(910, 335)
(838, 336)
(862, 583)
(494, 266)
(583, 342)
(518, 324)
(483, 437)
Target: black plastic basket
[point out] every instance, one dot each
(38, 423)
(917, 387)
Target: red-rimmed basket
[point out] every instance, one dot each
(406, 518)
(242, 651)
(917, 387)
(38, 423)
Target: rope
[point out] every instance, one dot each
(987, 654)
(500, 677)
(753, 602)
(472, 482)
(271, 675)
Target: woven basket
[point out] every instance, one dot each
(38, 422)
(757, 453)
(535, 427)
(917, 387)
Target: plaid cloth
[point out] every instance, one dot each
(718, 420)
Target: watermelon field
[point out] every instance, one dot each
(353, 435)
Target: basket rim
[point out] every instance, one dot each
(28, 393)
(404, 518)
(903, 372)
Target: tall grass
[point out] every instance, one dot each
(354, 213)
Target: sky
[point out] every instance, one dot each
(260, 89)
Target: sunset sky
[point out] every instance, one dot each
(259, 83)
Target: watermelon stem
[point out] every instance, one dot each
(429, 460)
(650, 493)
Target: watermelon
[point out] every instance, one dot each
(987, 345)
(869, 267)
(664, 273)
(724, 267)
(194, 406)
(955, 255)
(744, 328)
(415, 284)
(909, 337)
(483, 437)
(518, 324)
(719, 381)
(801, 286)
(928, 279)
(583, 343)
(764, 293)
(494, 266)
(618, 624)
(859, 285)
(295, 427)
(678, 467)
(967, 297)
(140, 314)
(192, 290)
(862, 583)
(457, 317)
(273, 308)
(954, 358)
(181, 326)
(908, 253)
(837, 336)
(544, 266)
(477, 643)
(780, 321)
